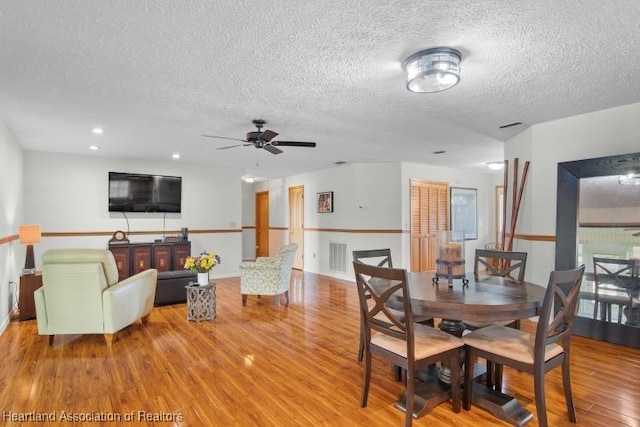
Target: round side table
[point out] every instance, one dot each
(201, 301)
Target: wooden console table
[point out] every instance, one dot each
(132, 258)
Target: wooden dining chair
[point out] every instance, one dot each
(614, 283)
(492, 262)
(392, 335)
(380, 258)
(489, 262)
(536, 353)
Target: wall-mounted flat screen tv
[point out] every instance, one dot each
(134, 192)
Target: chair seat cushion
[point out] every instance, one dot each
(508, 342)
(428, 342)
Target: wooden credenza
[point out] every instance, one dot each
(132, 258)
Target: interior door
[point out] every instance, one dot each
(296, 223)
(429, 213)
(262, 223)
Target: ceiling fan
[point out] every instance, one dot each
(260, 139)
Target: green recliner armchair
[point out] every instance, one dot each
(81, 294)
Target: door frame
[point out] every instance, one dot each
(299, 261)
(258, 197)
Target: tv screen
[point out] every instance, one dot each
(134, 192)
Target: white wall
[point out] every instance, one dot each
(12, 253)
(371, 196)
(69, 193)
(602, 133)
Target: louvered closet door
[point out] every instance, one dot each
(429, 213)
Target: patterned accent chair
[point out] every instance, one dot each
(81, 294)
(268, 275)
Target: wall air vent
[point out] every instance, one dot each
(338, 256)
(510, 125)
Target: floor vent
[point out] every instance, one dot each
(338, 257)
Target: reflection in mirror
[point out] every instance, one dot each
(609, 228)
(602, 218)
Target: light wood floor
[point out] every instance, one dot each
(267, 366)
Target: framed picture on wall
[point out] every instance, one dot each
(324, 202)
(464, 211)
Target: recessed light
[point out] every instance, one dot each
(94, 147)
(495, 165)
(176, 155)
(97, 131)
(248, 179)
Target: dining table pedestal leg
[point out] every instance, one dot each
(429, 393)
(455, 328)
(502, 406)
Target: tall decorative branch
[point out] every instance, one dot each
(516, 202)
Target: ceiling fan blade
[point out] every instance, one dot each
(225, 137)
(636, 234)
(294, 144)
(268, 135)
(233, 146)
(273, 150)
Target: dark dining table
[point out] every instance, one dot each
(485, 299)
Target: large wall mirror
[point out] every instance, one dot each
(598, 224)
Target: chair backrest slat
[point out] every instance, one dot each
(383, 254)
(500, 263)
(614, 272)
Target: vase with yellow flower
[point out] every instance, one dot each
(201, 265)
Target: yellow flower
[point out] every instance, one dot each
(202, 263)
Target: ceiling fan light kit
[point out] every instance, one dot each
(433, 70)
(263, 140)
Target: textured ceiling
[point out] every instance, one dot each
(605, 191)
(159, 74)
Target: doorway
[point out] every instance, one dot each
(262, 223)
(296, 223)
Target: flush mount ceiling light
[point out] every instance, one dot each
(432, 70)
(495, 165)
(630, 179)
